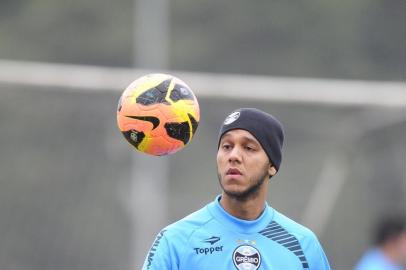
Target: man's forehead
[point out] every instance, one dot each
(239, 134)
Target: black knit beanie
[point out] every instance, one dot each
(263, 126)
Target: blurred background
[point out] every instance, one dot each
(74, 195)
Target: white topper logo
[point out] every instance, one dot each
(231, 118)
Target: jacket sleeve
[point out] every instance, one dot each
(160, 255)
(318, 259)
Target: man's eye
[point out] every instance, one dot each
(226, 146)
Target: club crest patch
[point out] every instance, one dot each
(231, 118)
(246, 257)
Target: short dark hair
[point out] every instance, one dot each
(389, 228)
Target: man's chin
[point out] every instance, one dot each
(239, 195)
(234, 189)
(233, 193)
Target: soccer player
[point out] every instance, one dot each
(390, 250)
(239, 230)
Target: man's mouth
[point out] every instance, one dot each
(233, 171)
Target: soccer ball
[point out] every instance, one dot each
(158, 114)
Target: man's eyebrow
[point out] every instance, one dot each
(246, 138)
(252, 140)
(225, 136)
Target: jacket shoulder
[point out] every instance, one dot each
(184, 228)
(294, 227)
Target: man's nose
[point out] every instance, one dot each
(235, 154)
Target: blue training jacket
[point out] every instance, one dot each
(210, 238)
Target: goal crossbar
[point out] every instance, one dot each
(230, 86)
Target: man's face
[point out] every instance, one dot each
(242, 164)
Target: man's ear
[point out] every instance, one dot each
(272, 170)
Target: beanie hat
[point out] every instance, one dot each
(263, 126)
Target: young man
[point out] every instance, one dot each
(239, 230)
(390, 250)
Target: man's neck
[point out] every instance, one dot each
(250, 209)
